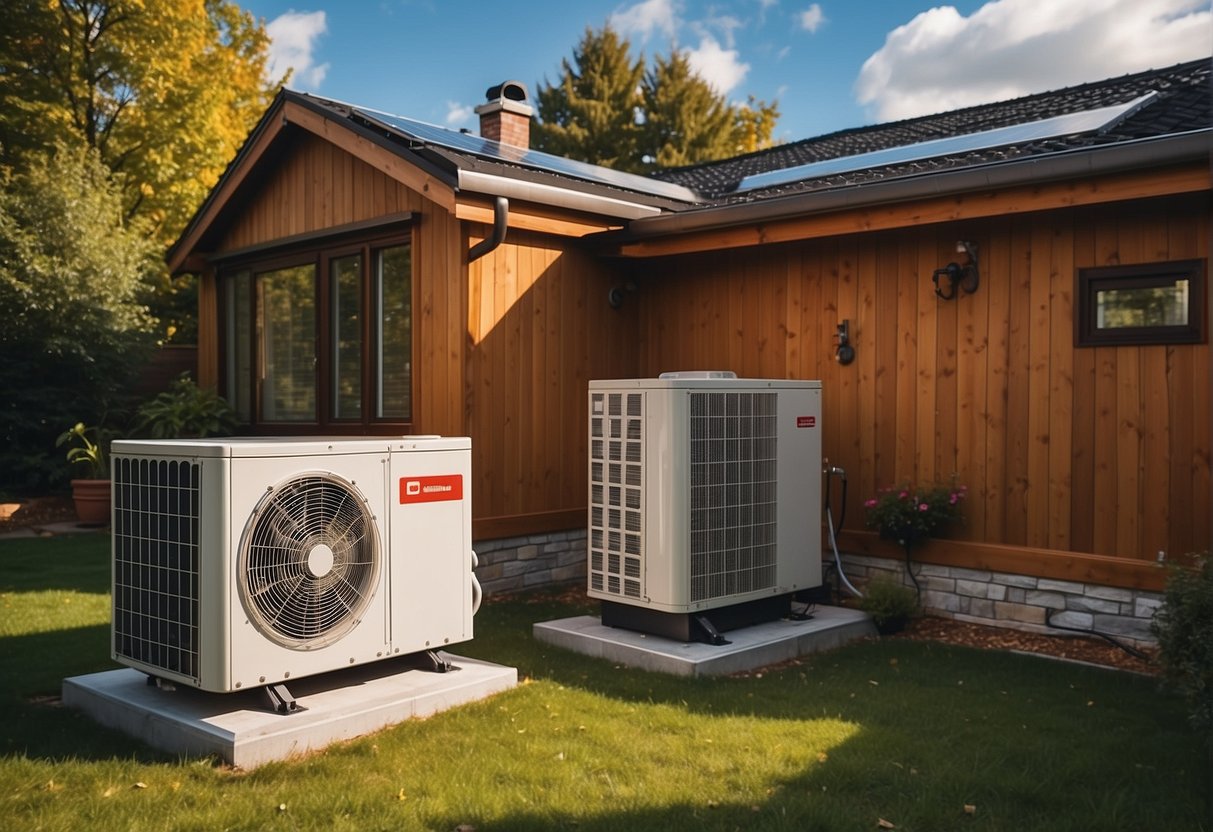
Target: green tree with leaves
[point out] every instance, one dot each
(73, 283)
(590, 112)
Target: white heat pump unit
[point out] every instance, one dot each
(241, 563)
(704, 493)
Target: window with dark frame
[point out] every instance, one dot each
(318, 334)
(1149, 303)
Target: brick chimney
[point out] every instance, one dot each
(506, 115)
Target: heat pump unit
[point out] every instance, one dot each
(240, 563)
(704, 495)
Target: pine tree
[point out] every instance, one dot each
(685, 120)
(590, 112)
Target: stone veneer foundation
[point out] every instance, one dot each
(1000, 599)
(1021, 602)
(515, 563)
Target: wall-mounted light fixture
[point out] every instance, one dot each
(845, 353)
(957, 277)
(616, 294)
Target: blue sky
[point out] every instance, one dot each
(831, 64)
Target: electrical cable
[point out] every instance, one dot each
(1132, 651)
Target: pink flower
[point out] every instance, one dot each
(954, 498)
(923, 507)
(870, 503)
(904, 494)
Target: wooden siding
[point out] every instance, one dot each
(1094, 450)
(540, 329)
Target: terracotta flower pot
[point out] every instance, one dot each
(92, 498)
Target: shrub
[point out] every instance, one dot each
(185, 410)
(1183, 626)
(889, 603)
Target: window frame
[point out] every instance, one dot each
(320, 251)
(1088, 282)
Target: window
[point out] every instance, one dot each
(320, 336)
(1154, 303)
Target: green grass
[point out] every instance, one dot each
(906, 731)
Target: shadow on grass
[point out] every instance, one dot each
(71, 562)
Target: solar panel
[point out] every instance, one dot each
(534, 159)
(1069, 124)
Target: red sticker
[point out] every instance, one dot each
(806, 421)
(431, 489)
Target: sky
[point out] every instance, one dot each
(831, 64)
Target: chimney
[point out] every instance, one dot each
(506, 115)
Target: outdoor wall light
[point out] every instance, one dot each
(957, 277)
(845, 353)
(616, 294)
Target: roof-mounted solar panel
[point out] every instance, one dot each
(534, 159)
(1070, 124)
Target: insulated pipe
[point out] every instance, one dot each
(501, 216)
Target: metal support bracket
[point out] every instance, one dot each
(714, 637)
(281, 700)
(431, 662)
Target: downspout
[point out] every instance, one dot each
(501, 214)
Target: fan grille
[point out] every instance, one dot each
(309, 561)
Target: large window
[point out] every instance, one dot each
(1153, 303)
(320, 337)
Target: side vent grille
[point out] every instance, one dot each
(155, 538)
(616, 493)
(733, 493)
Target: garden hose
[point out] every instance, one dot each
(842, 576)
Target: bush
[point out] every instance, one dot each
(186, 410)
(889, 603)
(1183, 626)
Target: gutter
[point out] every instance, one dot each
(1140, 153)
(501, 186)
(501, 223)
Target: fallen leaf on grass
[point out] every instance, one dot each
(970, 809)
(400, 795)
(884, 824)
(139, 785)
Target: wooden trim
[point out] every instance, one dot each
(951, 208)
(380, 158)
(1128, 573)
(322, 237)
(519, 525)
(529, 218)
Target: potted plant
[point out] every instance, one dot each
(911, 515)
(890, 604)
(90, 493)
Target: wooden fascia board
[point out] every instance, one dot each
(391, 164)
(529, 218)
(962, 206)
(183, 255)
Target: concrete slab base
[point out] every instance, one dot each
(751, 647)
(238, 727)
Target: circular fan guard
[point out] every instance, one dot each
(309, 561)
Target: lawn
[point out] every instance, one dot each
(920, 735)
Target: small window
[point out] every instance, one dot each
(1154, 303)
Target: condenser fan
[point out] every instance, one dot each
(309, 561)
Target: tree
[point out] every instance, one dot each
(164, 91)
(73, 276)
(608, 110)
(685, 120)
(590, 112)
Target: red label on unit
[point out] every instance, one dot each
(806, 421)
(431, 489)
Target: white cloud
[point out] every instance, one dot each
(942, 60)
(293, 37)
(722, 68)
(811, 18)
(457, 115)
(645, 18)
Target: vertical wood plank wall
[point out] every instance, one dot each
(1101, 450)
(540, 329)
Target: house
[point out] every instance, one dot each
(365, 273)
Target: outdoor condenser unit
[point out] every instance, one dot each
(704, 500)
(243, 563)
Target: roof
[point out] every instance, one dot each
(1181, 104)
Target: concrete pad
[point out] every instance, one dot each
(239, 728)
(751, 647)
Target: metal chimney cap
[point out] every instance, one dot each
(507, 91)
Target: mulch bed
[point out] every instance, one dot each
(32, 512)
